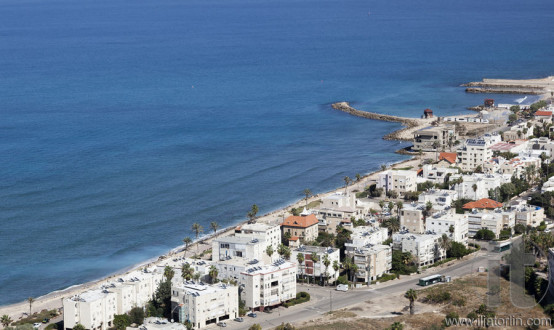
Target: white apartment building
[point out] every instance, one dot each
(203, 304)
(540, 145)
(364, 235)
(529, 215)
(548, 185)
(227, 247)
(411, 218)
(483, 182)
(436, 174)
(425, 248)
(400, 181)
(475, 152)
(268, 285)
(438, 197)
(493, 221)
(271, 235)
(449, 223)
(232, 268)
(372, 260)
(93, 309)
(317, 269)
(158, 323)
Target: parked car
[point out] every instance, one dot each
(36, 325)
(222, 324)
(251, 314)
(46, 320)
(239, 319)
(342, 287)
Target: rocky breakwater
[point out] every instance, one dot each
(543, 86)
(405, 134)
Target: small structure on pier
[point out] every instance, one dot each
(489, 103)
(427, 113)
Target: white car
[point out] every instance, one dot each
(342, 287)
(36, 325)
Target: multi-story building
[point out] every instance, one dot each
(364, 235)
(93, 309)
(482, 183)
(529, 215)
(436, 174)
(434, 138)
(202, 304)
(268, 285)
(452, 224)
(438, 197)
(157, 323)
(475, 152)
(493, 221)
(305, 227)
(425, 248)
(271, 235)
(401, 181)
(317, 269)
(227, 247)
(339, 208)
(542, 145)
(412, 219)
(372, 261)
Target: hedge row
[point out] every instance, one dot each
(301, 297)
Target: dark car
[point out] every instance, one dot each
(252, 314)
(46, 320)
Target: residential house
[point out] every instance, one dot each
(303, 227)
(455, 226)
(401, 181)
(317, 269)
(425, 248)
(94, 309)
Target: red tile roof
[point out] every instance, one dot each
(300, 221)
(428, 110)
(448, 156)
(419, 171)
(543, 113)
(484, 203)
(293, 238)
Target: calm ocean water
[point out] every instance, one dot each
(123, 122)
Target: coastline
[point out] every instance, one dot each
(53, 300)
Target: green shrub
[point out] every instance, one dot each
(342, 280)
(438, 297)
(450, 318)
(301, 297)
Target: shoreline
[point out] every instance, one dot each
(53, 300)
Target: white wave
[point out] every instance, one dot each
(521, 100)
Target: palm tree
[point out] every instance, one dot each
(358, 177)
(399, 206)
(31, 300)
(474, 187)
(347, 181)
(197, 229)
(411, 295)
(187, 272)
(391, 207)
(383, 167)
(336, 266)
(300, 259)
(6, 320)
(252, 213)
(269, 250)
(213, 274)
(168, 273)
(214, 226)
(187, 240)
(326, 263)
(445, 242)
(381, 204)
(315, 260)
(307, 194)
(197, 276)
(436, 147)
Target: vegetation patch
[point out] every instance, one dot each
(301, 297)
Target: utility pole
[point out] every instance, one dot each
(330, 301)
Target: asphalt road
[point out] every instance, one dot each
(325, 298)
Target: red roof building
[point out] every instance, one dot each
(448, 156)
(543, 113)
(304, 227)
(483, 203)
(428, 113)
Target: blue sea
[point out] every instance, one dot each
(123, 122)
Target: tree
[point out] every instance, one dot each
(512, 117)
(358, 177)
(347, 181)
(197, 229)
(214, 226)
(383, 167)
(391, 206)
(519, 228)
(436, 146)
(187, 240)
(187, 272)
(255, 327)
(326, 263)
(315, 260)
(168, 273)
(336, 266)
(79, 326)
(300, 259)
(6, 320)
(284, 251)
(162, 299)
(307, 194)
(399, 206)
(474, 187)
(213, 274)
(252, 213)
(382, 204)
(411, 295)
(121, 321)
(456, 250)
(485, 234)
(31, 300)
(445, 242)
(269, 250)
